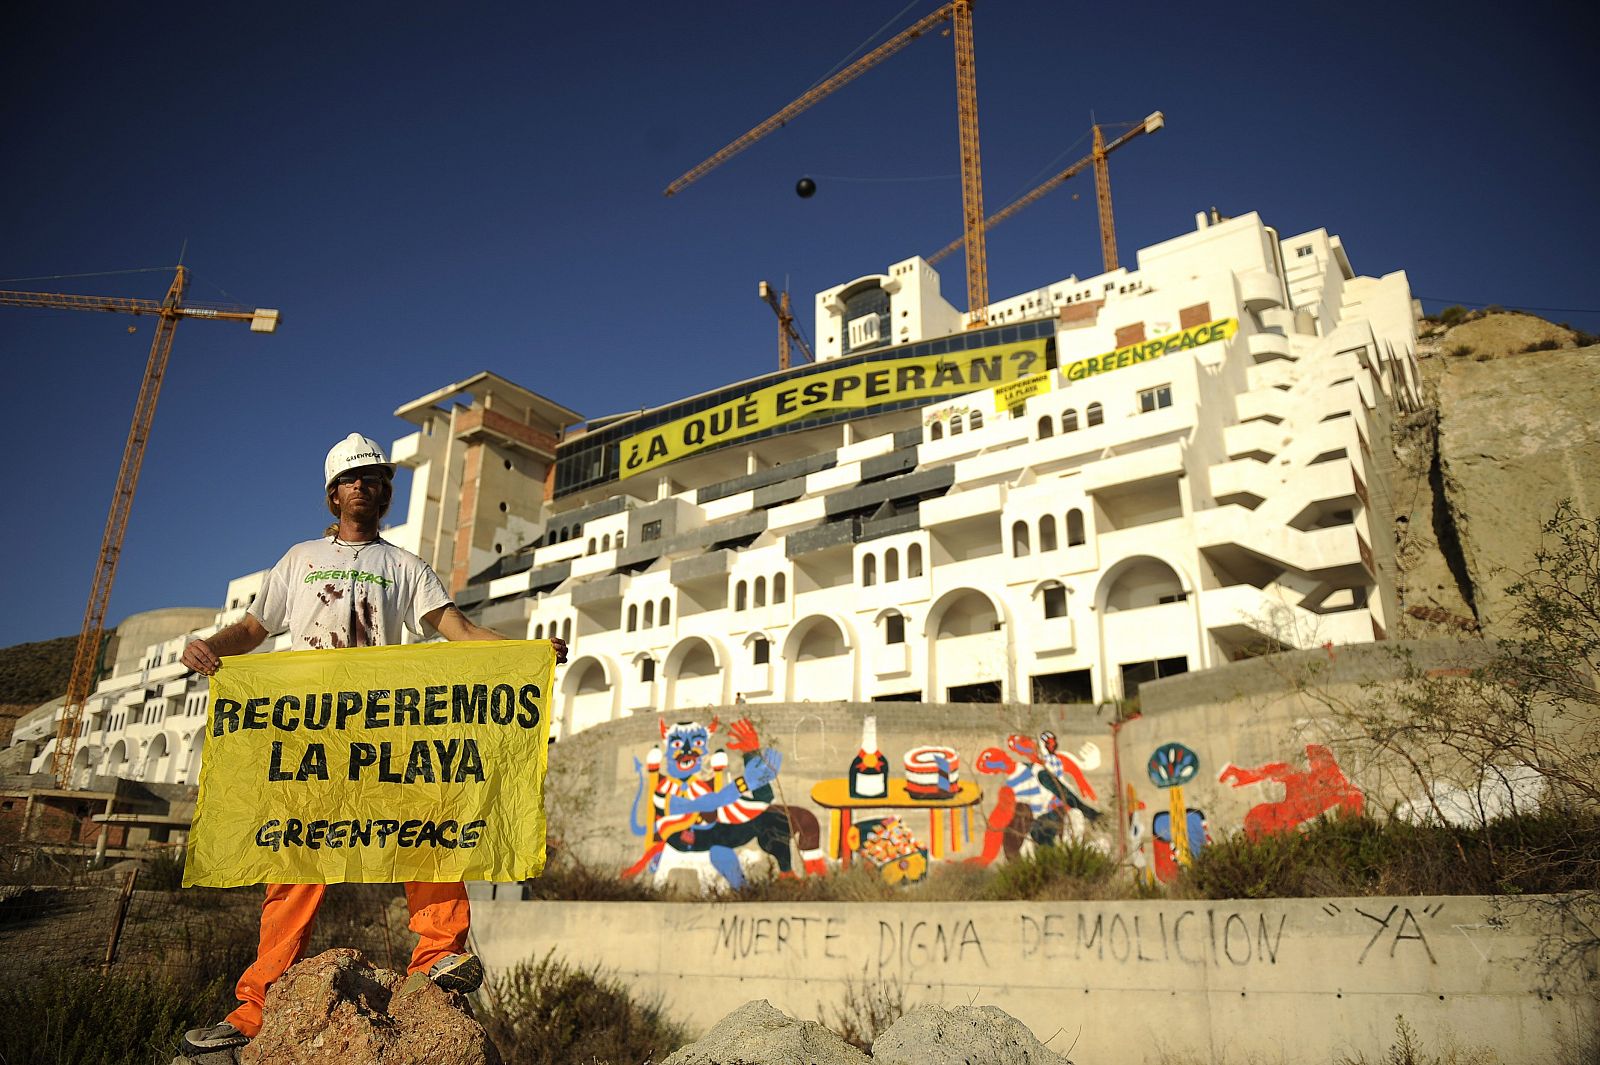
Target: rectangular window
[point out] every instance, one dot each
(1130, 334)
(1302, 251)
(1055, 602)
(894, 629)
(761, 652)
(1155, 398)
(647, 670)
(1189, 317)
(651, 530)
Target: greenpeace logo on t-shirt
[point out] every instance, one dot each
(359, 576)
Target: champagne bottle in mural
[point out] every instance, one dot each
(869, 771)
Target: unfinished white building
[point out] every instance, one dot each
(1118, 478)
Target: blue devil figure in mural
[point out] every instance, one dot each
(695, 809)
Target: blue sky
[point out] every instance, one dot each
(428, 193)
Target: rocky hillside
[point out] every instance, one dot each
(1511, 433)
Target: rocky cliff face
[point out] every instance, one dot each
(1512, 432)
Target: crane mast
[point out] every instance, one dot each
(959, 12)
(169, 311)
(1156, 120)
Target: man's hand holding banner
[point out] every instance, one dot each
(375, 764)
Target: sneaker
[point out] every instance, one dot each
(458, 972)
(222, 1036)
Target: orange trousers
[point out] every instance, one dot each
(440, 916)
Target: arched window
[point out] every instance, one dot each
(650, 614)
(760, 651)
(1074, 527)
(633, 617)
(605, 542)
(538, 632)
(1069, 421)
(591, 545)
(1047, 427)
(956, 426)
(1019, 538)
(914, 560)
(1047, 533)
(975, 420)
(779, 587)
(740, 592)
(869, 570)
(566, 630)
(891, 565)
(1095, 414)
(894, 628)
(666, 611)
(761, 591)
(936, 431)
(619, 541)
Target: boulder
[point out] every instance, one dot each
(339, 1008)
(757, 1033)
(936, 1035)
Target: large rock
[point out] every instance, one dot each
(339, 1008)
(936, 1035)
(757, 1033)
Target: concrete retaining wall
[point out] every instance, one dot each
(1292, 981)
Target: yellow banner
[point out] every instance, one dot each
(1145, 350)
(375, 765)
(854, 387)
(1013, 395)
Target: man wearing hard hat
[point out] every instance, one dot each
(384, 588)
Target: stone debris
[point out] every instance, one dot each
(759, 1034)
(338, 1007)
(961, 1035)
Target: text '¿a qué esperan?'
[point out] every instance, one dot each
(434, 760)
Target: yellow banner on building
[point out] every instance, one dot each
(1146, 350)
(1013, 395)
(375, 765)
(853, 387)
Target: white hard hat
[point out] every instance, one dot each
(353, 452)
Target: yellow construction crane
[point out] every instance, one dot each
(786, 327)
(168, 312)
(959, 14)
(1102, 189)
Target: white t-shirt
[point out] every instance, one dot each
(330, 593)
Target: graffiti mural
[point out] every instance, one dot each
(693, 809)
(1179, 832)
(1035, 802)
(1319, 788)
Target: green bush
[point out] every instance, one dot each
(552, 1013)
(1069, 869)
(88, 1019)
(1453, 315)
(1550, 851)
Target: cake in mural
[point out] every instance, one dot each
(932, 772)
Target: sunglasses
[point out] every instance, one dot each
(370, 478)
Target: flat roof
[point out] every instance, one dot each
(542, 405)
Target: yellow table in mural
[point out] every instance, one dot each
(946, 835)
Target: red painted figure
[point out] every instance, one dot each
(1321, 787)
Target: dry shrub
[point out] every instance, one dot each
(553, 1013)
(79, 1016)
(867, 1009)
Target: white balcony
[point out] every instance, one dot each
(1260, 290)
(1268, 347)
(959, 506)
(1146, 464)
(892, 660)
(1053, 636)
